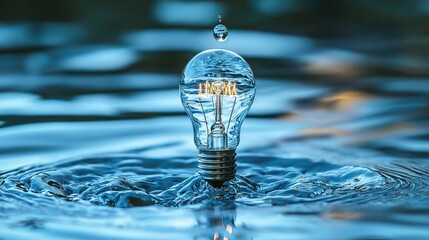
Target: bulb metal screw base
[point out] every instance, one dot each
(217, 166)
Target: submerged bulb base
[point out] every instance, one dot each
(217, 166)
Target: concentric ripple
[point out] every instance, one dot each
(130, 181)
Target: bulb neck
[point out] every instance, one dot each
(217, 166)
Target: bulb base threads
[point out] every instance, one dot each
(217, 166)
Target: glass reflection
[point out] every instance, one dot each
(218, 223)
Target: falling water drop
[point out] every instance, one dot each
(220, 32)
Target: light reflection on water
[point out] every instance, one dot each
(95, 143)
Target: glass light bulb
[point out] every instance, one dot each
(217, 90)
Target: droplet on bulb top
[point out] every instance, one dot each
(220, 33)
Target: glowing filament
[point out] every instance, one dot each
(224, 88)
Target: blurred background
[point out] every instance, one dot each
(316, 40)
(363, 38)
(107, 60)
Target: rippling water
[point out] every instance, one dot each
(95, 143)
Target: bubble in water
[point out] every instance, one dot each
(220, 33)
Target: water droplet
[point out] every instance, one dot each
(220, 18)
(220, 33)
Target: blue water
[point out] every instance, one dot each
(312, 160)
(95, 144)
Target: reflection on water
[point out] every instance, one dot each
(95, 143)
(218, 223)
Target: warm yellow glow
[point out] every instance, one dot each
(230, 89)
(343, 215)
(208, 88)
(345, 101)
(229, 229)
(225, 238)
(346, 96)
(218, 87)
(322, 132)
(224, 88)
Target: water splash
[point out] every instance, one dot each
(126, 181)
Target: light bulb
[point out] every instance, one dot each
(217, 90)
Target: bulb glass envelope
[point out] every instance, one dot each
(217, 90)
